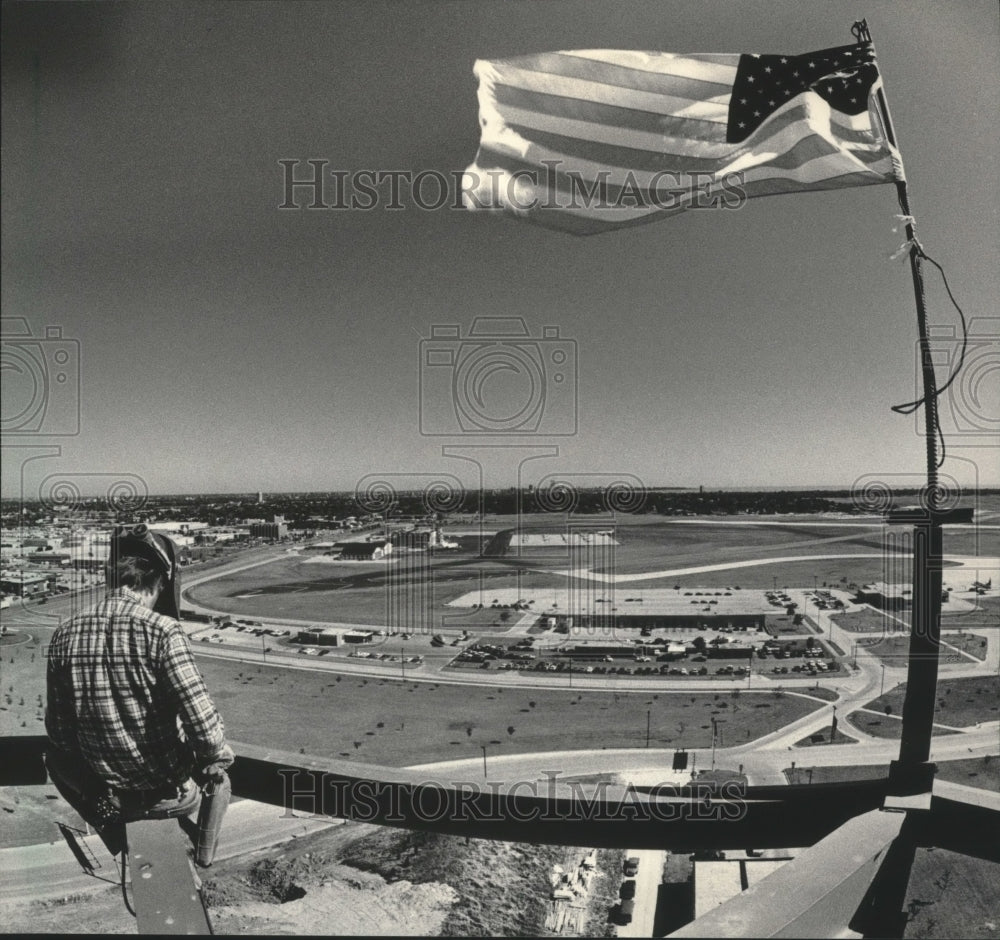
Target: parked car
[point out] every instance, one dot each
(631, 866)
(627, 890)
(627, 910)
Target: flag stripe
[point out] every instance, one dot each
(709, 68)
(618, 80)
(509, 83)
(601, 121)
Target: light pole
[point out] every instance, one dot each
(402, 663)
(482, 747)
(714, 733)
(882, 688)
(648, 712)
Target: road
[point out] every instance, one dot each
(50, 869)
(647, 890)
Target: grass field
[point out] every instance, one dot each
(985, 614)
(22, 686)
(398, 723)
(822, 737)
(379, 593)
(869, 620)
(983, 772)
(952, 895)
(961, 703)
(895, 650)
(886, 726)
(970, 643)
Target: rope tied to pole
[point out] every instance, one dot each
(908, 223)
(913, 246)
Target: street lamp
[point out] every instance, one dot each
(882, 689)
(648, 712)
(482, 747)
(714, 733)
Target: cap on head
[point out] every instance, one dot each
(139, 541)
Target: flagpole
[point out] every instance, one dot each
(913, 773)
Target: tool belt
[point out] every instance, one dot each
(164, 802)
(103, 809)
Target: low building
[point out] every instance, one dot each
(48, 559)
(887, 596)
(318, 636)
(24, 584)
(728, 651)
(599, 650)
(169, 528)
(364, 551)
(358, 636)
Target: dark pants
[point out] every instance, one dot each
(82, 788)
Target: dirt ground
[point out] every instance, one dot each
(359, 880)
(347, 902)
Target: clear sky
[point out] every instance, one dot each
(228, 345)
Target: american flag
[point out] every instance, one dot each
(595, 140)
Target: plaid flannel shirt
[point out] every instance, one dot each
(125, 694)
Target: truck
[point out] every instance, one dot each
(631, 866)
(626, 911)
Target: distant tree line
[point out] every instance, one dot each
(324, 510)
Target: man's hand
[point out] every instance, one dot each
(217, 767)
